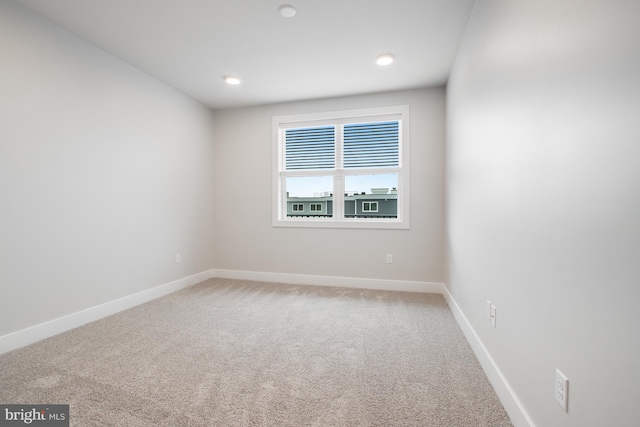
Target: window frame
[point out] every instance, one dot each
(279, 175)
(370, 203)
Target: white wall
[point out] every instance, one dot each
(245, 239)
(105, 173)
(543, 200)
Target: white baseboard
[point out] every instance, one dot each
(344, 282)
(508, 398)
(56, 326)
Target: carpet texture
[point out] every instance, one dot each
(239, 353)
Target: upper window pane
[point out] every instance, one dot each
(369, 145)
(310, 148)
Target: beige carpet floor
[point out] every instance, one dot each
(238, 353)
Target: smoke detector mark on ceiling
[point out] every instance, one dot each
(287, 10)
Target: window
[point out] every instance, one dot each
(369, 206)
(344, 164)
(297, 207)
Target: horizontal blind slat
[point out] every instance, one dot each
(371, 144)
(310, 148)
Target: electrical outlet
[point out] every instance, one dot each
(389, 258)
(493, 315)
(562, 390)
(178, 258)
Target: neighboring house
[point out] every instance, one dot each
(380, 203)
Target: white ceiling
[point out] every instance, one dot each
(327, 49)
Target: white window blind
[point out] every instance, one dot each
(371, 144)
(310, 148)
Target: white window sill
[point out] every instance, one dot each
(332, 223)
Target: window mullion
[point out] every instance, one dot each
(339, 147)
(338, 197)
(338, 179)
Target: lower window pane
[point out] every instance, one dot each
(371, 196)
(310, 197)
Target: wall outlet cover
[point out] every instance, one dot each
(562, 390)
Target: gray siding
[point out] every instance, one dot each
(387, 206)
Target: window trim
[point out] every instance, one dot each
(279, 123)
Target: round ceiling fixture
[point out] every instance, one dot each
(232, 80)
(385, 59)
(287, 10)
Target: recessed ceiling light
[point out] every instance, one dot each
(385, 59)
(287, 10)
(232, 80)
